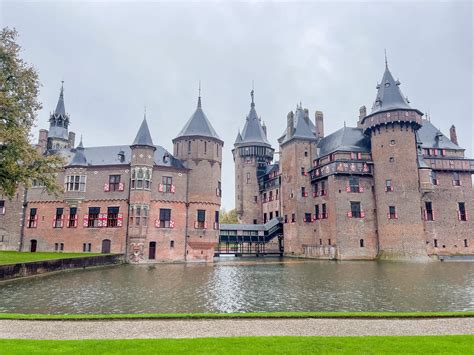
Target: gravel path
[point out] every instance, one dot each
(129, 329)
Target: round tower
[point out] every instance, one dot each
(200, 149)
(252, 153)
(141, 175)
(392, 127)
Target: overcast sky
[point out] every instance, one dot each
(116, 57)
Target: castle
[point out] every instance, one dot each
(393, 187)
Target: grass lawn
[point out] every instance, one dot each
(15, 257)
(237, 315)
(453, 344)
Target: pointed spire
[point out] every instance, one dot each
(79, 159)
(80, 146)
(238, 139)
(199, 96)
(60, 109)
(251, 95)
(386, 61)
(143, 136)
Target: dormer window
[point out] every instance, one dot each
(387, 84)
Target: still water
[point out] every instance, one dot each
(244, 285)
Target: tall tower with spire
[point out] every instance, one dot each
(58, 136)
(392, 126)
(200, 148)
(252, 153)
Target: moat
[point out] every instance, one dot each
(246, 285)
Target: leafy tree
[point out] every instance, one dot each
(20, 161)
(228, 217)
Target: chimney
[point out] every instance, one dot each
(452, 135)
(319, 124)
(362, 114)
(43, 139)
(72, 139)
(290, 125)
(306, 116)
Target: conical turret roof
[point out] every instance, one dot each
(143, 135)
(60, 108)
(198, 125)
(79, 159)
(253, 132)
(389, 96)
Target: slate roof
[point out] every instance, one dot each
(58, 132)
(345, 139)
(253, 132)
(270, 168)
(303, 128)
(198, 125)
(60, 109)
(389, 96)
(109, 155)
(143, 136)
(431, 137)
(79, 158)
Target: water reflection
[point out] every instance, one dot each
(244, 285)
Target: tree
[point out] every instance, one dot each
(228, 217)
(20, 161)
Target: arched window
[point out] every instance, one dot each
(361, 243)
(147, 179)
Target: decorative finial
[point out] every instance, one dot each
(344, 124)
(251, 95)
(80, 146)
(144, 112)
(62, 84)
(199, 97)
(386, 61)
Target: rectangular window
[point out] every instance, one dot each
(189, 147)
(303, 192)
(255, 199)
(72, 221)
(201, 219)
(56, 246)
(435, 243)
(58, 218)
(270, 197)
(388, 185)
(293, 218)
(434, 177)
(138, 215)
(316, 212)
(302, 171)
(462, 215)
(277, 214)
(33, 218)
(465, 243)
(264, 197)
(86, 247)
(93, 221)
(2, 206)
(271, 216)
(456, 179)
(167, 182)
(286, 218)
(171, 243)
(61, 247)
(307, 217)
(324, 214)
(429, 216)
(114, 183)
(165, 217)
(355, 210)
(315, 190)
(205, 147)
(264, 218)
(392, 212)
(354, 184)
(323, 188)
(75, 183)
(112, 216)
(248, 178)
(219, 189)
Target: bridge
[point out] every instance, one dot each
(251, 239)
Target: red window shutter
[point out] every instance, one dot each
(171, 224)
(436, 152)
(459, 215)
(425, 215)
(160, 187)
(121, 186)
(460, 182)
(396, 215)
(35, 223)
(352, 156)
(434, 215)
(195, 224)
(443, 152)
(99, 221)
(62, 221)
(75, 221)
(349, 214)
(465, 215)
(106, 187)
(388, 216)
(54, 222)
(85, 220)
(362, 214)
(104, 219)
(361, 188)
(305, 194)
(359, 156)
(67, 219)
(348, 187)
(120, 220)
(173, 189)
(157, 223)
(320, 216)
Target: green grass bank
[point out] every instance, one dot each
(117, 316)
(456, 344)
(16, 257)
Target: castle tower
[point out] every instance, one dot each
(58, 136)
(252, 153)
(392, 127)
(141, 176)
(200, 148)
